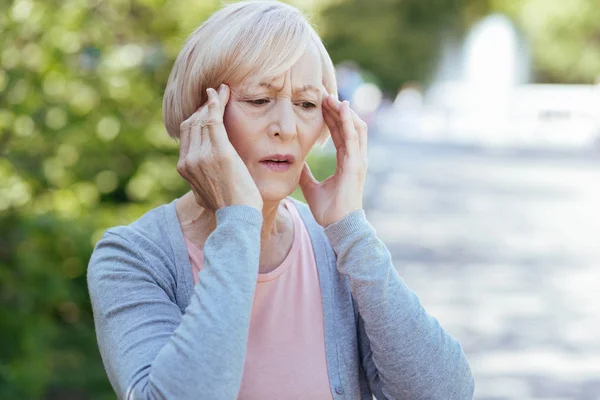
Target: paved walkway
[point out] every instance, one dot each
(505, 251)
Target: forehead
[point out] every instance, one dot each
(307, 71)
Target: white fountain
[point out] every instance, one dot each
(481, 97)
(472, 103)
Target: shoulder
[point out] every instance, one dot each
(148, 233)
(143, 248)
(153, 226)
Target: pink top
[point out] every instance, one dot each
(285, 357)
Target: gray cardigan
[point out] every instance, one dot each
(161, 337)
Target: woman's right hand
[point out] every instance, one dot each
(209, 162)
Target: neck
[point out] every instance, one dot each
(274, 221)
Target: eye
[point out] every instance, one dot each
(307, 105)
(259, 102)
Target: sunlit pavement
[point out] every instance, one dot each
(504, 250)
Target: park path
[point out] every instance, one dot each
(504, 250)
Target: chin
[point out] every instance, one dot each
(271, 192)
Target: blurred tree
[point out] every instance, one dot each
(82, 148)
(400, 40)
(564, 37)
(397, 40)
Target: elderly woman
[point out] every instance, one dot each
(235, 290)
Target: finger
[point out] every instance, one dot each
(224, 93)
(194, 127)
(362, 142)
(184, 139)
(362, 130)
(333, 106)
(349, 132)
(334, 130)
(195, 131)
(306, 176)
(334, 110)
(307, 182)
(214, 122)
(334, 103)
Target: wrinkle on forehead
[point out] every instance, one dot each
(305, 74)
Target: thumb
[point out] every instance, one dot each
(308, 183)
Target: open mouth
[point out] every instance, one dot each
(278, 162)
(279, 158)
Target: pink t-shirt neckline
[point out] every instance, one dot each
(285, 264)
(285, 354)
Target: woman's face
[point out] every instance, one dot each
(277, 120)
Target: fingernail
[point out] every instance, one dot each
(221, 87)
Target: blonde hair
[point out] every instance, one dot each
(246, 40)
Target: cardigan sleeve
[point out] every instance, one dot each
(149, 348)
(405, 353)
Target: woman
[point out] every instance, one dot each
(236, 291)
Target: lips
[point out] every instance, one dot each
(278, 162)
(279, 158)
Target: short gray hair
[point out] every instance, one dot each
(245, 40)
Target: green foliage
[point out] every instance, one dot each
(564, 37)
(397, 40)
(322, 165)
(82, 148)
(400, 40)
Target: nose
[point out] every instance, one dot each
(285, 120)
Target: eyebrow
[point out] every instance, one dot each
(298, 89)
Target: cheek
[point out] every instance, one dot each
(235, 129)
(229, 119)
(313, 129)
(234, 123)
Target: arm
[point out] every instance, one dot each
(150, 350)
(406, 354)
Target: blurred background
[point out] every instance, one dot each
(484, 176)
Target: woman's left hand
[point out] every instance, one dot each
(341, 193)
